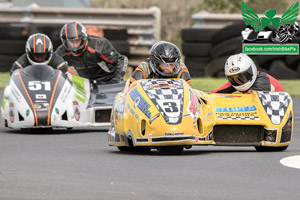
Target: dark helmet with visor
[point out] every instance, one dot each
(165, 59)
(39, 49)
(74, 38)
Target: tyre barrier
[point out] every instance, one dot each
(206, 51)
(196, 48)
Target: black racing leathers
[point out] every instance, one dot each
(57, 62)
(100, 61)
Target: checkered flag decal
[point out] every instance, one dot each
(275, 104)
(164, 89)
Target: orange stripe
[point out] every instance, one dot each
(66, 32)
(142, 70)
(53, 92)
(33, 44)
(34, 112)
(76, 30)
(44, 44)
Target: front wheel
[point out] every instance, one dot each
(270, 149)
(170, 150)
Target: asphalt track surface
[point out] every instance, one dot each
(79, 164)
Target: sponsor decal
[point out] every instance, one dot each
(269, 34)
(174, 134)
(11, 116)
(228, 96)
(16, 95)
(193, 107)
(133, 113)
(41, 96)
(11, 105)
(234, 69)
(237, 115)
(80, 88)
(65, 94)
(76, 110)
(193, 103)
(119, 108)
(77, 114)
(196, 137)
(154, 117)
(149, 135)
(27, 112)
(40, 107)
(208, 114)
(140, 102)
(186, 115)
(46, 105)
(136, 102)
(236, 109)
(57, 111)
(40, 101)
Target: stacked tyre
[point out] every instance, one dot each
(196, 48)
(12, 44)
(224, 42)
(119, 39)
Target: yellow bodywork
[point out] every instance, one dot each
(206, 119)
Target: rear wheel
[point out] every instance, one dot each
(170, 150)
(270, 149)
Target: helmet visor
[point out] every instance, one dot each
(75, 44)
(168, 69)
(241, 78)
(39, 57)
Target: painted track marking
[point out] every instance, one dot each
(291, 161)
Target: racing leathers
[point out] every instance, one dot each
(99, 61)
(57, 62)
(263, 82)
(144, 71)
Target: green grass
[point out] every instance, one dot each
(205, 84)
(4, 78)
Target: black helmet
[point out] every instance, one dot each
(74, 37)
(165, 59)
(39, 49)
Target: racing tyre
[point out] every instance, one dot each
(270, 149)
(278, 67)
(215, 66)
(135, 149)
(121, 46)
(125, 148)
(170, 150)
(298, 70)
(40, 130)
(227, 32)
(227, 47)
(197, 34)
(196, 49)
